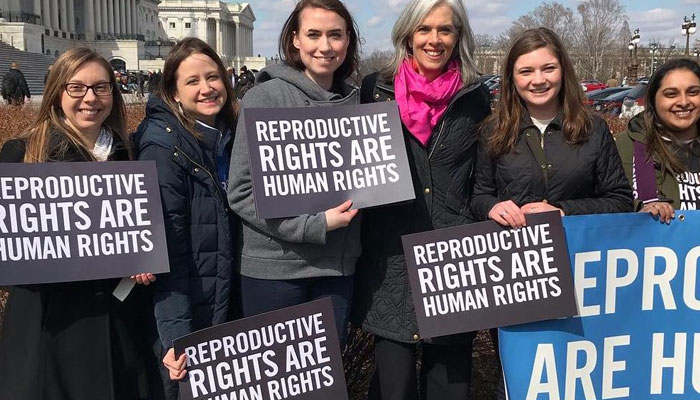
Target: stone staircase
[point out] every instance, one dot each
(32, 65)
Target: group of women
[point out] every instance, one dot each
(539, 150)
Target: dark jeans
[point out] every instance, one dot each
(444, 375)
(263, 295)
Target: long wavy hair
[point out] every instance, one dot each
(655, 129)
(168, 84)
(51, 118)
(511, 109)
(290, 54)
(410, 19)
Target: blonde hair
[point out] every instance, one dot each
(51, 117)
(410, 19)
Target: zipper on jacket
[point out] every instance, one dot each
(203, 168)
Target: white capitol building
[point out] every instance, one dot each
(131, 34)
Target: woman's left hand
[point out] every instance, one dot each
(538, 207)
(144, 278)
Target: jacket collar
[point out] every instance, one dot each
(526, 120)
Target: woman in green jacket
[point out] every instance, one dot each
(660, 151)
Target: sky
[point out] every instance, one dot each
(657, 20)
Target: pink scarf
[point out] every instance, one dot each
(422, 102)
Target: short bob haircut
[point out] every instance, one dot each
(411, 17)
(51, 118)
(291, 28)
(168, 84)
(654, 128)
(511, 109)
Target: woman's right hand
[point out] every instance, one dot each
(661, 210)
(508, 214)
(176, 367)
(339, 217)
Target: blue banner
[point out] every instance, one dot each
(637, 335)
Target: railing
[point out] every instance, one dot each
(119, 36)
(15, 16)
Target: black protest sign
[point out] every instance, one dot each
(483, 275)
(75, 221)
(288, 353)
(307, 160)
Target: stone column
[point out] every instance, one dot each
(104, 15)
(89, 16)
(54, 14)
(122, 16)
(110, 16)
(63, 7)
(202, 29)
(97, 15)
(37, 8)
(238, 41)
(46, 14)
(134, 17)
(128, 16)
(219, 48)
(71, 15)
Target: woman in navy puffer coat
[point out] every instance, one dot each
(187, 131)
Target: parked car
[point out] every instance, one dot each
(634, 102)
(612, 104)
(603, 93)
(591, 85)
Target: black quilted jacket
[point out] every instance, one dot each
(442, 173)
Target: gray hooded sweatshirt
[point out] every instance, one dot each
(287, 248)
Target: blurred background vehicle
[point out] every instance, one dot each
(612, 104)
(591, 85)
(603, 93)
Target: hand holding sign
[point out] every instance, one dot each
(340, 217)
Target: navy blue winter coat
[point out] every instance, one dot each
(198, 222)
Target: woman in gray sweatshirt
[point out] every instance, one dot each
(289, 261)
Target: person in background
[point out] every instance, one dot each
(289, 261)
(188, 131)
(434, 80)
(660, 150)
(48, 71)
(541, 150)
(75, 340)
(14, 86)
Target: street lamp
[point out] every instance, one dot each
(653, 49)
(159, 43)
(632, 70)
(696, 52)
(688, 28)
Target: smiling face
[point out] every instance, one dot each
(86, 113)
(200, 87)
(677, 103)
(434, 41)
(538, 79)
(322, 42)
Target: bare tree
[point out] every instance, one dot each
(553, 16)
(377, 60)
(597, 35)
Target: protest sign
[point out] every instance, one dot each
(307, 160)
(283, 354)
(484, 275)
(638, 333)
(63, 222)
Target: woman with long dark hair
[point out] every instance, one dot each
(433, 79)
(660, 150)
(289, 261)
(188, 132)
(75, 341)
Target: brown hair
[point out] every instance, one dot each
(654, 127)
(168, 84)
(291, 27)
(51, 118)
(510, 110)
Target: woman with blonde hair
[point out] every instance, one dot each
(434, 80)
(74, 341)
